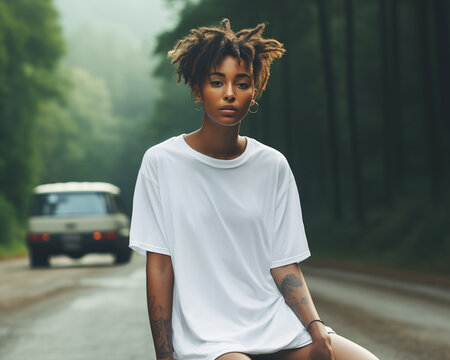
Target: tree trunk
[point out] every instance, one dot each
(266, 116)
(441, 9)
(430, 112)
(286, 80)
(331, 112)
(386, 105)
(357, 181)
(397, 128)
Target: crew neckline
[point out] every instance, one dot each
(223, 163)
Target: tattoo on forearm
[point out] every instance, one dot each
(289, 284)
(161, 330)
(288, 288)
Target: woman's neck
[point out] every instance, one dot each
(218, 142)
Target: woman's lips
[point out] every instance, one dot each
(228, 110)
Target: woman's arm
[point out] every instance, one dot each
(159, 301)
(292, 285)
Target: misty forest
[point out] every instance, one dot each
(358, 105)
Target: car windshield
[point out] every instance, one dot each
(70, 203)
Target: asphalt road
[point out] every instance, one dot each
(91, 309)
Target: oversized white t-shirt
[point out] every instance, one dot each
(225, 224)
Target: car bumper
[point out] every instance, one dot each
(61, 244)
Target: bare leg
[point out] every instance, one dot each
(343, 349)
(233, 356)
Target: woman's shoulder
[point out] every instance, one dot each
(156, 153)
(269, 155)
(273, 160)
(160, 148)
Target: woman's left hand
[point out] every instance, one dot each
(321, 348)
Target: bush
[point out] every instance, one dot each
(413, 235)
(13, 232)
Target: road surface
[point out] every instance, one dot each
(90, 309)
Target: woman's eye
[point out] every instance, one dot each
(243, 85)
(216, 83)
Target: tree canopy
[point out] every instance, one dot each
(30, 48)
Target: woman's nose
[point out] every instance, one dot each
(229, 92)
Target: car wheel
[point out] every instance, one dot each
(123, 256)
(38, 259)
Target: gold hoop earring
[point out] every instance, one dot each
(198, 108)
(250, 108)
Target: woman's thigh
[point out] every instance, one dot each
(343, 349)
(234, 356)
(294, 354)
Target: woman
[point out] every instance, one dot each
(218, 217)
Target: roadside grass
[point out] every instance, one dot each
(15, 245)
(13, 250)
(12, 237)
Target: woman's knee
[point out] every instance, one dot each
(345, 349)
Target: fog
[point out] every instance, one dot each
(138, 19)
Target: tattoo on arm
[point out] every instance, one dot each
(161, 330)
(297, 300)
(289, 284)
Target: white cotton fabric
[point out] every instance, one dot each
(225, 224)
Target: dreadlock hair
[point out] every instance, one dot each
(205, 47)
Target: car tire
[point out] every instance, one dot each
(38, 259)
(122, 257)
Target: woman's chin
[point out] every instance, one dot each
(226, 120)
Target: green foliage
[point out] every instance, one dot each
(111, 97)
(13, 232)
(93, 118)
(30, 47)
(79, 136)
(8, 220)
(413, 232)
(413, 236)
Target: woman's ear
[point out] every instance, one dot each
(197, 94)
(254, 96)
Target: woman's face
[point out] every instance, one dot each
(227, 92)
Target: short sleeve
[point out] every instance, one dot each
(289, 243)
(147, 229)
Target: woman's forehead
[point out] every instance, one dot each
(230, 63)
